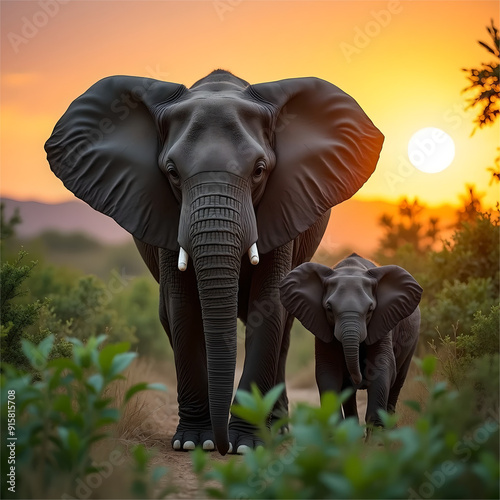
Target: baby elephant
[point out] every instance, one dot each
(366, 321)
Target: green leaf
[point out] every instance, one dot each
(109, 352)
(158, 473)
(143, 386)
(121, 362)
(75, 341)
(414, 405)
(107, 416)
(199, 460)
(73, 442)
(388, 420)
(338, 486)
(96, 382)
(141, 456)
(61, 364)
(429, 365)
(272, 396)
(45, 346)
(62, 403)
(35, 357)
(245, 399)
(439, 389)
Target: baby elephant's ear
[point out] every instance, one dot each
(301, 293)
(398, 295)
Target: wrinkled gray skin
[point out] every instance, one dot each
(366, 321)
(209, 171)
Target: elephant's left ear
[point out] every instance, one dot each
(398, 295)
(326, 148)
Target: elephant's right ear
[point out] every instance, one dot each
(105, 149)
(326, 148)
(301, 293)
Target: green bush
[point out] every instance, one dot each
(15, 317)
(59, 418)
(325, 457)
(473, 252)
(21, 318)
(484, 337)
(81, 306)
(137, 305)
(471, 359)
(453, 308)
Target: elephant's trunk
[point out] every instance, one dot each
(219, 229)
(350, 330)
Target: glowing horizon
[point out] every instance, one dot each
(400, 60)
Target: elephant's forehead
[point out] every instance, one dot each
(352, 277)
(206, 107)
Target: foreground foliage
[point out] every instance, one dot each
(326, 457)
(57, 420)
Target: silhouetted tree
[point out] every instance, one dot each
(471, 206)
(495, 171)
(8, 227)
(485, 82)
(408, 231)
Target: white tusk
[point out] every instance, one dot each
(253, 254)
(183, 260)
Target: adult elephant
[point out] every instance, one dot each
(205, 172)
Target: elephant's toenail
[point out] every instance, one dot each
(189, 445)
(208, 445)
(177, 445)
(230, 448)
(242, 449)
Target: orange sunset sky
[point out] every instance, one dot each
(400, 60)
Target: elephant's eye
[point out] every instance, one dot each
(258, 173)
(172, 173)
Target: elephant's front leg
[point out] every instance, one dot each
(379, 373)
(265, 323)
(180, 313)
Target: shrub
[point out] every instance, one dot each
(57, 419)
(16, 318)
(325, 457)
(137, 306)
(471, 360)
(455, 305)
(472, 253)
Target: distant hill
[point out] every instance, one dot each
(354, 224)
(72, 216)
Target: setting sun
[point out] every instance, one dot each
(431, 150)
